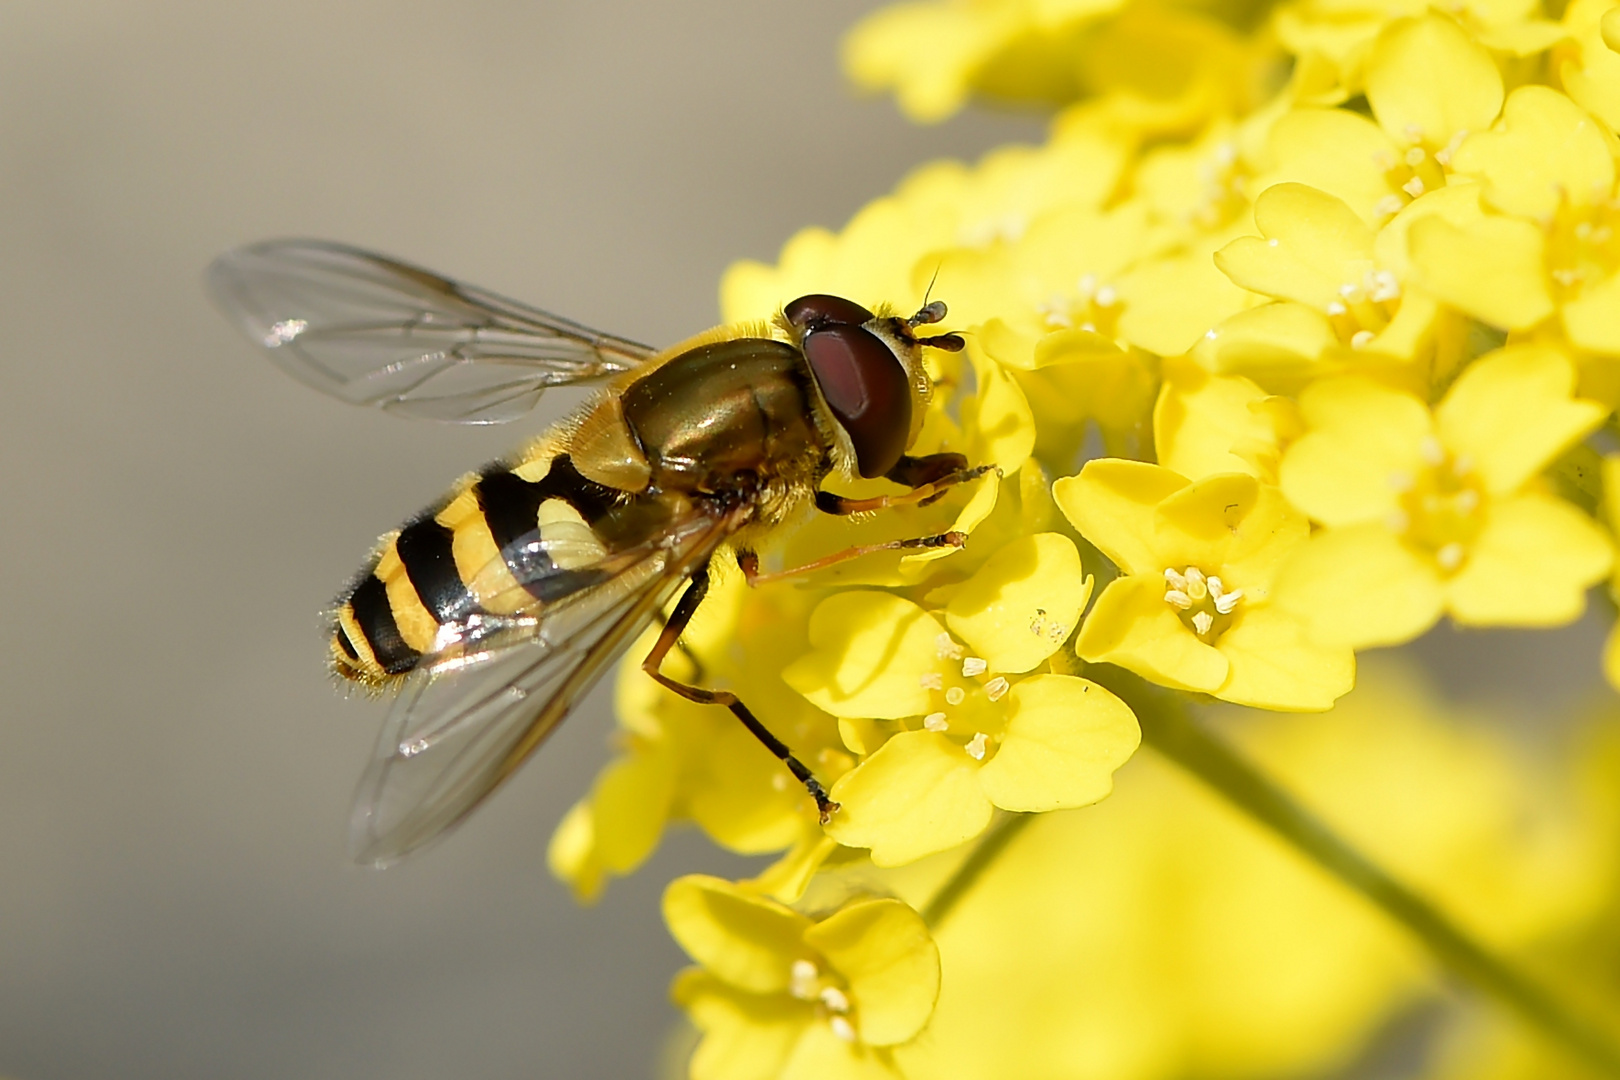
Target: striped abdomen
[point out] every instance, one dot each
(475, 554)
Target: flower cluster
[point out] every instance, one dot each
(1297, 335)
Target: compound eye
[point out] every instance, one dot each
(868, 391)
(819, 309)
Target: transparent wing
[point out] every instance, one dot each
(485, 702)
(372, 330)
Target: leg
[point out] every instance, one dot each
(922, 494)
(749, 562)
(672, 631)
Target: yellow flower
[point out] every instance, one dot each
(1331, 37)
(889, 251)
(977, 729)
(1191, 609)
(1156, 66)
(1161, 934)
(781, 995)
(682, 761)
(1428, 85)
(1543, 241)
(1316, 254)
(1440, 512)
(1205, 424)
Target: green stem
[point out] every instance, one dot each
(1169, 729)
(958, 884)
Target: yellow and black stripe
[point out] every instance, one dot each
(473, 554)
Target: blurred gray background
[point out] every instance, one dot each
(175, 900)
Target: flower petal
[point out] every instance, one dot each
(1020, 606)
(1112, 502)
(745, 1036)
(630, 804)
(1363, 438)
(1065, 737)
(821, 1054)
(1427, 80)
(1530, 566)
(1493, 270)
(1277, 345)
(1132, 626)
(868, 650)
(1314, 245)
(917, 795)
(883, 950)
(746, 940)
(1512, 411)
(1360, 586)
(1200, 417)
(1548, 151)
(998, 422)
(1275, 666)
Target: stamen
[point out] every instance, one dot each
(1413, 187)
(973, 666)
(1202, 622)
(1388, 206)
(835, 999)
(802, 978)
(935, 721)
(976, 746)
(996, 688)
(1177, 599)
(1224, 604)
(841, 1027)
(1173, 579)
(931, 680)
(947, 648)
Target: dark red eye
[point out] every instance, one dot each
(819, 309)
(868, 391)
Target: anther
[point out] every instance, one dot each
(972, 666)
(1361, 339)
(935, 721)
(976, 746)
(1177, 599)
(841, 1027)
(834, 999)
(1431, 449)
(996, 688)
(947, 648)
(931, 680)
(1202, 622)
(1227, 601)
(802, 978)
(1450, 556)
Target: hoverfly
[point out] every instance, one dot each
(494, 610)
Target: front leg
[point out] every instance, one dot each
(921, 494)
